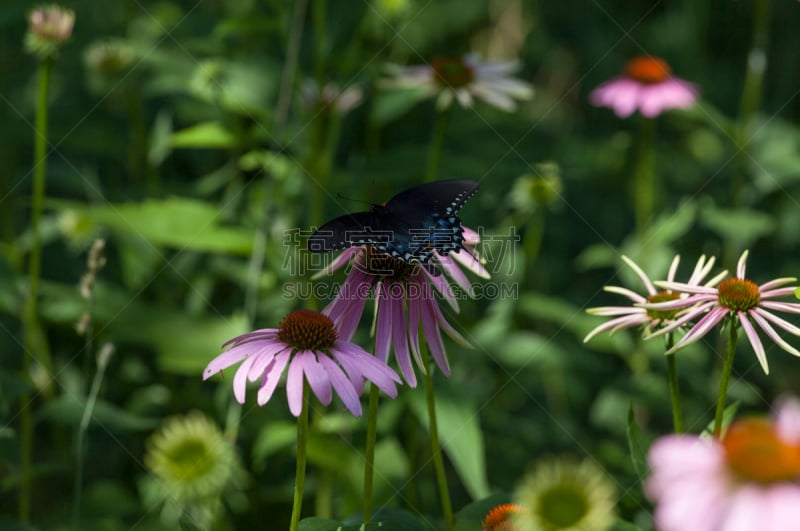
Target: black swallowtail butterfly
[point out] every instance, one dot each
(410, 226)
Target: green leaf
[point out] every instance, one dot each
(727, 418)
(392, 103)
(529, 350)
(459, 433)
(315, 523)
(636, 445)
(183, 343)
(68, 410)
(739, 227)
(273, 437)
(622, 525)
(205, 135)
(179, 222)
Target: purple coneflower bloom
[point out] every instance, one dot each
(750, 479)
(463, 78)
(630, 316)
(738, 298)
(404, 300)
(310, 344)
(647, 85)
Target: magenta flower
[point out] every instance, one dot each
(648, 86)
(311, 346)
(405, 299)
(741, 299)
(635, 315)
(748, 480)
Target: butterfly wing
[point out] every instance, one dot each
(411, 226)
(424, 219)
(358, 228)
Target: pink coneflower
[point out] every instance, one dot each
(748, 480)
(739, 298)
(635, 315)
(463, 78)
(310, 344)
(405, 299)
(647, 85)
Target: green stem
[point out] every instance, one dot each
(438, 461)
(727, 367)
(437, 143)
(31, 314)
(751, 94)
(300, 473)
(645, 194)
(369, 454)
(674, 389)
(102, 363)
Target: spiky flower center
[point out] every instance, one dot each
(307, 330)
(755, 453)
(373, 262)
(452, 72)
(649, 70)
(501, 518)
(738, 294)
(563, 505)
(662, 296)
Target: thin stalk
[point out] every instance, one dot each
(369, 453)
(674, 389)
(437, 143)
(645, 194)
(751, 94)
(727, 367)
(438, 461)
(300, 472)
(102, 363)
(31, 314)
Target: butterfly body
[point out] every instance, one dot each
(411, 226)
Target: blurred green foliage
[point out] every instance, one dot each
(180, 132)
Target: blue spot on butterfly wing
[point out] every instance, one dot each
(411, 226)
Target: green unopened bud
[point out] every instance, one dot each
(49, 27)
(108, 58)
(534, 190)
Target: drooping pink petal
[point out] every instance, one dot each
(610, 311)
(788, 307)
(443, 286)
(343, 258)
(625, 292)
(776, 283)
(342, 385)
(294, 384)
(703, 326)
(785, 325)
(470, 259)
(272, 376)
(690, 315)
(264, 334)
(433, 337)
(317, 376)
(401, 352)
(626, 321)
(264, 358)
(349, 363)
(755, 341)
(226, 359)
(240, 379)
(448, 328)
(765, 326)
(383, 333)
